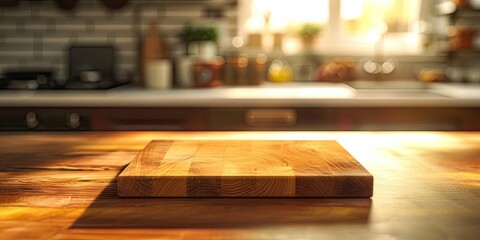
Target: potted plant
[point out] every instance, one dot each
(199, 39)
(308, 32)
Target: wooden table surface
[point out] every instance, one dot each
(63, 186)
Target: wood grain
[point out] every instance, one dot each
(63, 186)
(244, 169)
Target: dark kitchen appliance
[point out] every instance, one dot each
(91, 67)
(27, 79)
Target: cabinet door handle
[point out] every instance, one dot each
(270, 117)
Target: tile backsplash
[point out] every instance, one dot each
(38, 34)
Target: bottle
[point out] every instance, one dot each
(240, 66)
(153, 49)
(258, 70)
(280, 69)
(236, 66)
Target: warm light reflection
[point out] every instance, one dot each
(137, 140)
(348, 26)
(285, 12)
(360, 16)
(288, 93)
(65, 182)
(393, 150)
(366, 15)
(351, 9)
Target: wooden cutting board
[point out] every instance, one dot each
(244, 169)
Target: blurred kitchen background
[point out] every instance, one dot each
(79, 65)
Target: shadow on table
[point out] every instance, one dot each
(110, 211)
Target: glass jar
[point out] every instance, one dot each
(258, 70)
(280, 70)
(208, 73)
(462, 37)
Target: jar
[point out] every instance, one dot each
(258, 70)
(208, 73)
(237, 69)
(280, 70)
(462, 38)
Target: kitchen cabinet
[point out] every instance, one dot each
(348, 118)
(153, 119)
(239, 118)
(63, 186)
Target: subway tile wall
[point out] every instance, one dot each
(37, 34)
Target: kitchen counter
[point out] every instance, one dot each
(289, 106)
(63, 186)
(267, 95)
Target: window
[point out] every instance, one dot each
(354, 27)
(365, 15)
(284, 13)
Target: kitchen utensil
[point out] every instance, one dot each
(66, 4)
(153, 48)
(184, 168)
(91, 67)
(115, 4)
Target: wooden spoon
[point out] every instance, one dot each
(66, 4)
(115, 4)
